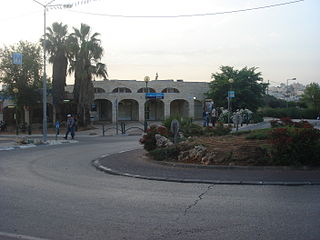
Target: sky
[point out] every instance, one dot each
(283, 42)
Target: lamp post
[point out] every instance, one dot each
(229, 99)
(287, 90)
(44, 79)
(146, 80)
(16, 91)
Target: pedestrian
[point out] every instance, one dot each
(70, 126)
(205, 117)
(213, 117)
(57, 127)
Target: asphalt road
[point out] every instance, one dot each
(53, 192)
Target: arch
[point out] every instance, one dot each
(99, 90)
(154, 110)
(128, 109)
(121, 90)
(146, 90)
(104, 109)
(198, 109)
(170, 90)
(179, 107)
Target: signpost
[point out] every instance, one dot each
(17, 58)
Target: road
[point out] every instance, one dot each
(53, 192)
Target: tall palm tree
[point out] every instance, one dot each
(86, 53)
(57, 47)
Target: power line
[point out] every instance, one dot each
(189, 15)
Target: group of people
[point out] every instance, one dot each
(71, 126)
(210, 116)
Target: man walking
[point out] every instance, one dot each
(70, 126)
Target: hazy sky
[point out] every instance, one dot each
(284, 42)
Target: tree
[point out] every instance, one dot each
(311, 96)
(22, 81)
(86, 54)
(247, 84)
(57, 46)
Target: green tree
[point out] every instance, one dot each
(22, 82)
(311, 96)
(86, 54)
(57, 46)
(247, 84)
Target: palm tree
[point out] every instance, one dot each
(57, 47)
(86, 54)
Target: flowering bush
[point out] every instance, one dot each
(296, 145)
(149, 139)
(287, 122)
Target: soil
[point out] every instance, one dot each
(234, 150)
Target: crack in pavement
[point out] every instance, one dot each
(200, 197)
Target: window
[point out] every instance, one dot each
(170, 90)
(99, 90)
(121, 90)
(144, 90)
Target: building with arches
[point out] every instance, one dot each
(126, 100)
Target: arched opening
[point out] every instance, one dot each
(99, 90)
(179, 107)
(170, 90)
(104, 109)
(146, 90)
(128, 109)
(121, 90)
(198, 109)
(154, 110)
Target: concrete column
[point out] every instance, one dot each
(115, 110)
(191, 109)
(141, 110)
(166, 109)
(26, 116)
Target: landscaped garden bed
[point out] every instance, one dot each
(285, 144)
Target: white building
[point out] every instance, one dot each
(126, 99)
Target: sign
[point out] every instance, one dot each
(155, 95)
(231, 94)
(17, 58)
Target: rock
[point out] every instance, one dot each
(162, 141)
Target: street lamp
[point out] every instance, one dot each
(287, 95)
(16, 91)
(229, 100)
(146, 80)
(44, 80)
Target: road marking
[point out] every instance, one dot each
(19, 236)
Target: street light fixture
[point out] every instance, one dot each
(287, 95)
(146, 80)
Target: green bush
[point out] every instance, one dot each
(162, 154)
(257, 117)
(291, 112)
(259, 134)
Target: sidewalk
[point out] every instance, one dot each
(137, 165)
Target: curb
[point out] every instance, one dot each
(96, 163)
(25, 146)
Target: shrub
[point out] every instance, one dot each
(257, 117)
(162, 154)
(149, 140)
(295, 146)
(259, 134)
(292, 112)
